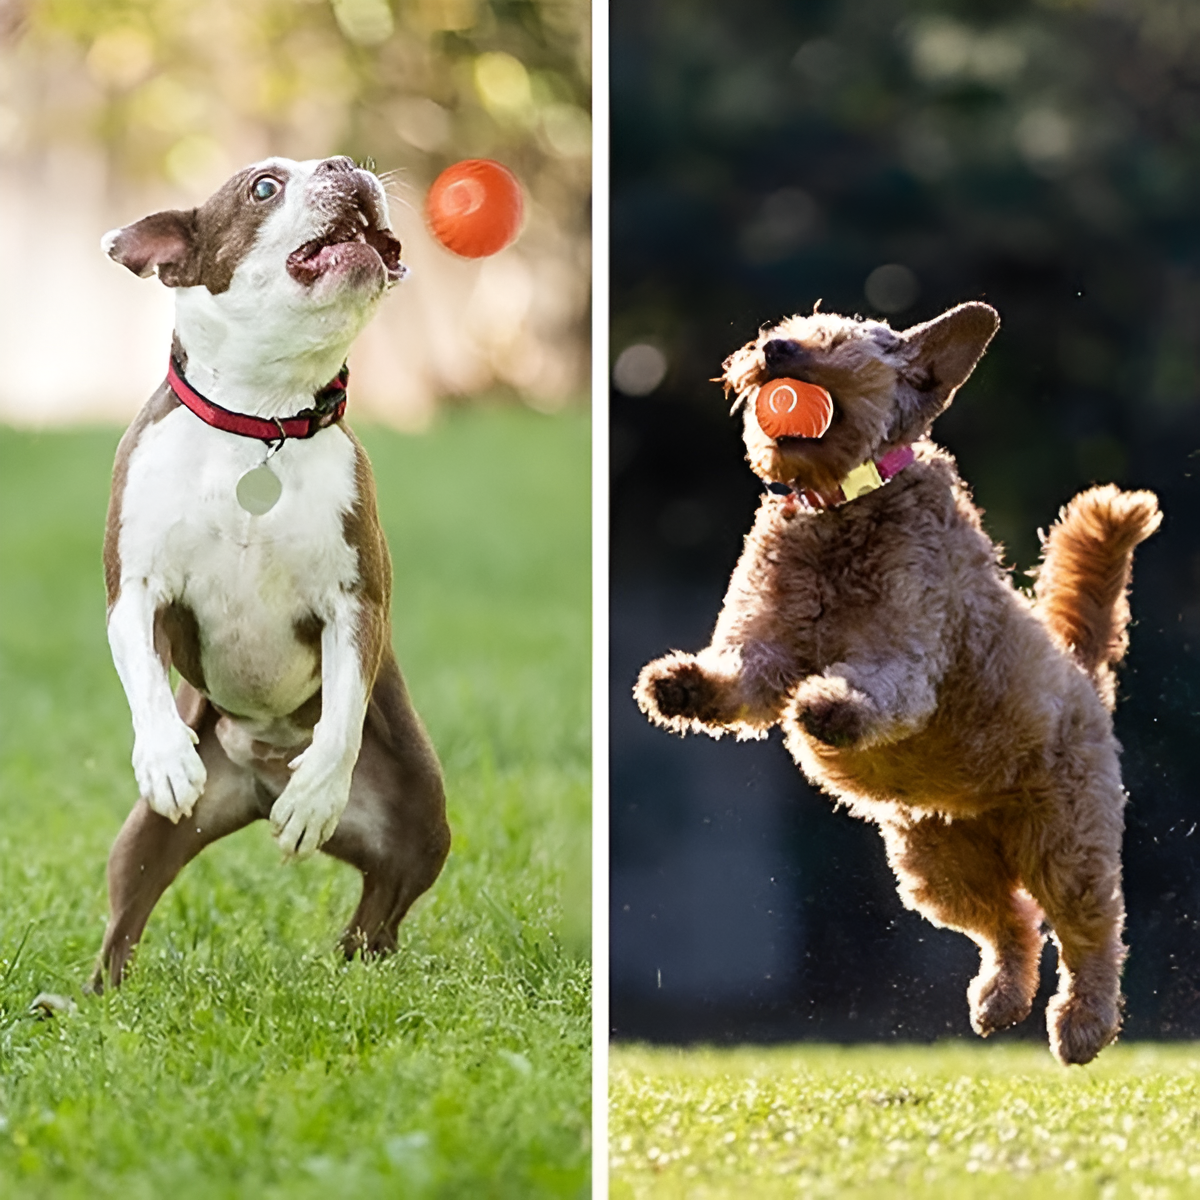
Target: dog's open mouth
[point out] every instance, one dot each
(351, 242)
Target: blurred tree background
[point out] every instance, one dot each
(893, 158)
(125, 103)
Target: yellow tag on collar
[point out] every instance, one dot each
(862, 479)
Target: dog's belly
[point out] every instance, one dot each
(251, 659)
(259, 690)
(931, 770)
(983, 748)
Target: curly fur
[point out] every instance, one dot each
(1083, 583)
(915, 684)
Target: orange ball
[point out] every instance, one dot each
(474, 208)
(793, 408)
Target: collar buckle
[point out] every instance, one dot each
(866, 477)
(863, 479)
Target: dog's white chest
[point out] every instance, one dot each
(248, 579)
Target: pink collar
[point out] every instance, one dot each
(866, 477)
(328, 406)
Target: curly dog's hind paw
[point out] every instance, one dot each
(998, 1001)
(1079, 1029)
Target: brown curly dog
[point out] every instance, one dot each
(870, 616)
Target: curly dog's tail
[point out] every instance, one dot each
(1083, 582)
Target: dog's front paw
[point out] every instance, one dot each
(309, 808)
(834, 713)
(674, 691)
(170, 774)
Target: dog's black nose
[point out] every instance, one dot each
(778, 351)
(338, 163)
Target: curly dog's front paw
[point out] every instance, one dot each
(675, 691)
(833, 712)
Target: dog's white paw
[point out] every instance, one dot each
(170, 774)
(309, 808)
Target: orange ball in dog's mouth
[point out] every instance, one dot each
(474, 208)
(792, 408)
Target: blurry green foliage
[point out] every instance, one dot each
(171, 89)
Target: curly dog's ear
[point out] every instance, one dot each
(737, 371)
(937, 359)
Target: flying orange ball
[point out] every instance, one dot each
(792, 408)
(474, 208)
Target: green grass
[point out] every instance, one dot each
(944, 1122)
(242, 1057)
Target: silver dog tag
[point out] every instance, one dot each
(258, 491)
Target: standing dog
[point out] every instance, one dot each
(870, 616)
(243, 547)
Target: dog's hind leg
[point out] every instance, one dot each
(394, 827)
(1074, 872)
(150, 851)
(955, 874)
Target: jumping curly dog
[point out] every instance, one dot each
(870, 616)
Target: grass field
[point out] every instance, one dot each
(944, 1122)
(242, 1057)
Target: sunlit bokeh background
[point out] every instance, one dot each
(111, 109)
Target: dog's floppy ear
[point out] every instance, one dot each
(738, 368)
(166, 240)
(937, 358)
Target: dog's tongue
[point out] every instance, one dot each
(792, 408)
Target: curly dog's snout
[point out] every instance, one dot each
(780, 352)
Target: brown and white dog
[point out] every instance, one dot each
(290, 704)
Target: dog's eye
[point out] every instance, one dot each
(265, 187)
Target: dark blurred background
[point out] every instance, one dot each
(892, 159)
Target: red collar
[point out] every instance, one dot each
(867, 477)
(328, 406)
